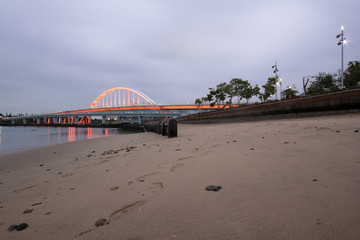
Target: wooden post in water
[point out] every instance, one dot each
(172, 128)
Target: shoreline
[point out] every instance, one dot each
(281, 179)
(124, 131)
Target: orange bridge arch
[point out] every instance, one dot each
(120, 97)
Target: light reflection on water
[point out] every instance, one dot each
(21, 138)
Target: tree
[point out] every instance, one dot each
(269, 89)
(239, 88)
(219, 94)
(290, 92)
(324, 83)
(306, 81)
(352, 75)
(256, 91)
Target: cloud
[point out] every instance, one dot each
(69, 52)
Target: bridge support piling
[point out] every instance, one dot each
(24, 121)
(54, 120)
(76, 120)
(103, 120)
(38, 121)
(139, 119)
(12, 122)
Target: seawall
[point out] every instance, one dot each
(334, 103)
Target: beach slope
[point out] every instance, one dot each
(280, 179)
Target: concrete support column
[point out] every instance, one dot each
(54, 120)
(103, 120)
(38, 121)
(45, 120)
(24, 121)
(76, 120)
(139, 120)
(12, 122)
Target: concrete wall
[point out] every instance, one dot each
(342, 102)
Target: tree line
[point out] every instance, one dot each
(227, 94)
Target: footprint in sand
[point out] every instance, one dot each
(173, 168)
(67, 174)
(117, 214)
(22, 189)
(127, 209)
(185, 158)
(142, 178)
(156, 186)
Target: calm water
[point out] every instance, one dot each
(22, 138)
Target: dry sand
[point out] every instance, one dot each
(281, 179)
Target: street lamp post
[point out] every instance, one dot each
(276, 76)
(341, 42)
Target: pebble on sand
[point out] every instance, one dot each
(19, 227)
(101, 222)
(28, 210)
(213, 188)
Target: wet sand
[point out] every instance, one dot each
(281, 179)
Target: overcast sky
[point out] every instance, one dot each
(62, 54)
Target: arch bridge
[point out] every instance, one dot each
(120, 103)
(121, 97)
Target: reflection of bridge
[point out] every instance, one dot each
(121, 104)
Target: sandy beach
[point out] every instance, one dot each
(280, 179)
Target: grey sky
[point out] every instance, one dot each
(61, 54)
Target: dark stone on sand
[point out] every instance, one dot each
(21, 227)
(12, 227)
(252, 148)
(356, 131)
(101, 222)
(315, 180)
(41, 165)
(213, 188)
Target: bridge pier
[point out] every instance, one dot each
(24, 121)
(76, 120)
(12, 122)
(103, 119)
(139, 119)
(38, 121)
